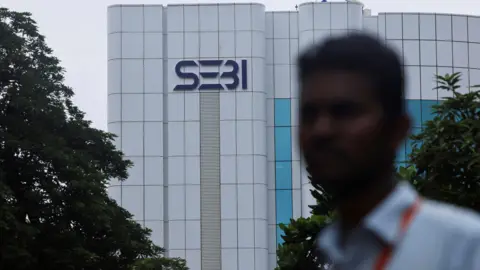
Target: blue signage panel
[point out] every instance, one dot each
(236, 68)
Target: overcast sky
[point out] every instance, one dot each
(76, 31)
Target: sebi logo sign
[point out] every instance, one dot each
(230, 70)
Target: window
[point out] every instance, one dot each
(283, 175)
(283, 201)
(283, 144)
(401, 153)
(415, 111)
(427, 111)
(282, 112)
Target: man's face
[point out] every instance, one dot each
(343, 135)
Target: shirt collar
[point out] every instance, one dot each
(383, 221)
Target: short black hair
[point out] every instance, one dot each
(365, 54)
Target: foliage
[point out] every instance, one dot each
(160, 263)
(444, 165)
(324, 204)
(445, 160)
(54, 168)
(298, 249)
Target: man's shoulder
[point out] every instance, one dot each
(451, 218)
(455, 234)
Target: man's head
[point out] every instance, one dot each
(352, 115)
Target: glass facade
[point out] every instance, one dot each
(283, 162)
(218, 171)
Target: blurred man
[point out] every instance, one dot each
(352, 120)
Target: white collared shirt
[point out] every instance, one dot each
(440, 237)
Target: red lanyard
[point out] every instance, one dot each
(406, 219)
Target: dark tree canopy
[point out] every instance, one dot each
(54, 169)
(445, 160)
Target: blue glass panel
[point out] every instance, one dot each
(284, 209)
(401, 153)
(283, 175)
(283, 112)
(409, 148)
(415, 111)
(279, 236)
(427, 111)
(416, 131)
(283, 143)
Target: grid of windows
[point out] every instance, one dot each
(429, 44)
(283, 162)
(285, 198)
(143, 49)
(135, 111)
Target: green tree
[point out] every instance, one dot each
(444, 165)
(445, 160)
(54, 169)
(297, 252)
(160, 263)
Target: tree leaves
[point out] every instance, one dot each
(54, 169)
(160, 263)
(446, 153)
(298, 251)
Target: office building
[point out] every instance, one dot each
(204, 99)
